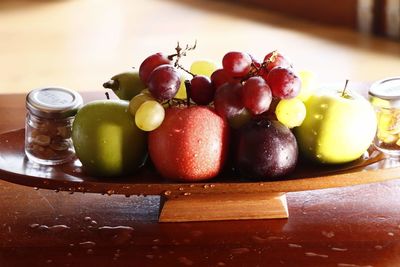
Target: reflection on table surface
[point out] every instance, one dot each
(355, 225)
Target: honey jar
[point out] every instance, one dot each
(385, 97)
(48, 128)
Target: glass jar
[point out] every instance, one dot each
(385, 97)
(49, 124)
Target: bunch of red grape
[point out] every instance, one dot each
(242, 89)
(245, 85)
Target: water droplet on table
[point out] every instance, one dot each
(58, 228)
(294, 246)
(118, 234)
(329, 234)
(312, 254)
(34, 225)
(240, 250)
(87, 244)
(339, 249)
(185, 261)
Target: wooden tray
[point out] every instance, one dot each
(225, 197)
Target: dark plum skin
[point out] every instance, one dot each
(265, 150)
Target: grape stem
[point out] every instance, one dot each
(175, 102)
(255, 71)
(180, 52)
(344, 89)
(273, 57)
(188, 86)
(107, 95)
(185, 70)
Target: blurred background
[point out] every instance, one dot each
(82, 43)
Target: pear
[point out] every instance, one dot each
(125, 85)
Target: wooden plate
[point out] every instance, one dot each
(16, 168)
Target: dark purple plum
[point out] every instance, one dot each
(265, 149)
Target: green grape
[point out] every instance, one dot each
(291, 112)
(308, 84)
(149, 116)
(145, 91)
(137, 101)
(203, 67)
(181, 94)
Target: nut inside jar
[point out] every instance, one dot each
(49, 139)
(388, 134)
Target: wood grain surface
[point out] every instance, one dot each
(350, 226)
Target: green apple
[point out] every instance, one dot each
(338, 127)
(107, 140)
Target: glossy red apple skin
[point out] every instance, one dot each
(190, 145)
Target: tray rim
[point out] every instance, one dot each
(170, 189)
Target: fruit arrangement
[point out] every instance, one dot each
(255, 117)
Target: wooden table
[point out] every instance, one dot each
(353, 226)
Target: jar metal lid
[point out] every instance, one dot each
(388, 89)
(53, 102)
(386, 92)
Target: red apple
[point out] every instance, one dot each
(190, 145)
